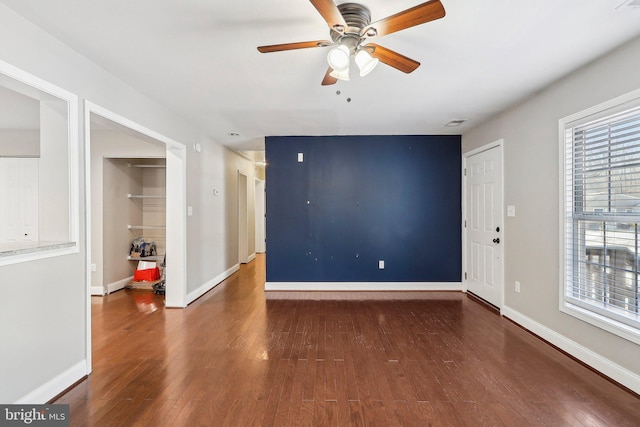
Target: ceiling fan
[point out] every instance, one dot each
(350, 27)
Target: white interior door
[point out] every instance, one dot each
(484, 224)
(260, 219)
(243, 220)
(19, 200)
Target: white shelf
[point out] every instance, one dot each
(142, 196)
(146, 258)
(146, 227)
(147, 205)
(132, 165)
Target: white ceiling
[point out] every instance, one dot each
(199, 58)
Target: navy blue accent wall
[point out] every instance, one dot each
(355, 200)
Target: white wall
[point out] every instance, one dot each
(530, 132)
(215, 217)
(119, 180)
(19, 142)
(54, 172)
(43, 304)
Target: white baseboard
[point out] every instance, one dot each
(206, 287)
(616, 372)
(120, 284)
(363, 286)
(251, 257)
(97, 291)
(55, 386)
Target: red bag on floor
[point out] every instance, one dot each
(147, 275)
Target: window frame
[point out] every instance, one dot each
(42, 251)
(587, 312)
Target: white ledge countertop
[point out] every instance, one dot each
(18, 248)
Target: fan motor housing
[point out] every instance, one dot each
(356, 16)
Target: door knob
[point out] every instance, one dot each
(496, 240)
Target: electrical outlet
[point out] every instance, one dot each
(517, 286)
(381, 264)
(94, 267)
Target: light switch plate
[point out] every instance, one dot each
(511, 210)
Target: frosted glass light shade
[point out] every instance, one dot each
(365, 62)
(340, 75)
(338, 58)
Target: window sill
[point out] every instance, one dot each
(617, 328)
(17, 252)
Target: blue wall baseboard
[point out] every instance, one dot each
(356, 200)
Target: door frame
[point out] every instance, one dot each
(176, 229)
(243, 218)
(260, 211)
(465, 156)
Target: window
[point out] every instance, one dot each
(601, 218)
(38, 168)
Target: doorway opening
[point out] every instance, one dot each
(150, 151)
(260, 209)
(243, 219)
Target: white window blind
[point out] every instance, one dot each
(602, 214)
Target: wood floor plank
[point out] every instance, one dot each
(241, 357)
(305, 414)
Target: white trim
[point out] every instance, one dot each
(562, 212)
(74, 166)
(495, 144)
(97, 291)
(605, 323)
(39, 254)
(117, 285)
(363, 286)
(243, 223)
(259, 197)
(176, 234)
(72, 100)
(486, 147)
(206, 287)
(251, 257)
(463, 213)
(114, 117)
(614, 371)
(606, 105)
(87, 235)
(55, 386)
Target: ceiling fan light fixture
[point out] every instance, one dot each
(341, 75)
(338, 58)
(365, 62)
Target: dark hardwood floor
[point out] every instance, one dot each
(236, 357)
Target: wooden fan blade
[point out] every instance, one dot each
(391, 58)
(331, 14)
(416, 15)
(291, 46)
(328, 79)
